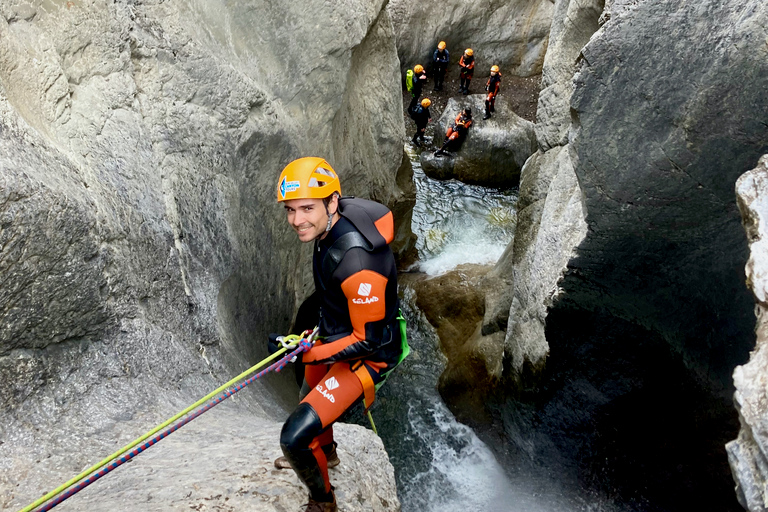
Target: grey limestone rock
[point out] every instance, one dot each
(663, 125)
(573, 23)
(494, 150)
(513, 34)
(551, 224)
(748, 454)
(142, 255)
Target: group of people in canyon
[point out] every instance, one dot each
(418, 108)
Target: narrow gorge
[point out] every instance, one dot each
(606, 351)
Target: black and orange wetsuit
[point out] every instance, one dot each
(456, 132)
(492, 86)
(356, 283)
(467, 65)
(459, 128)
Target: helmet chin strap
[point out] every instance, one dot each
(330, 216)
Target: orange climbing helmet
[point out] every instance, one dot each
(426, 102)
(310, 177)
(441, 45)
(469, 52)
(418, 68)
(494, 69)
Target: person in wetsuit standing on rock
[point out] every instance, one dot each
(360, 336)
(467, 65)
(421, 117)
(492, 86)
(440, 59)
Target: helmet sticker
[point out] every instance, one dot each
(286, 187)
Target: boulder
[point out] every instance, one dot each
(494, 150)
(513, 35)
(453, 304)
(220, 462)
(748, 453)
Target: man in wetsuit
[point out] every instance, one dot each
(492, 86)
(421, 116)
(419, 79)
(457, 131)
(467, 65)
(440, 59)
(356, 290)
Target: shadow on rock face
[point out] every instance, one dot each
(494, 150)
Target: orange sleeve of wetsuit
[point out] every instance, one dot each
(365, 292)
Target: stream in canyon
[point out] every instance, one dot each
(441, 464)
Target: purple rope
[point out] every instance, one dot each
(279, 365)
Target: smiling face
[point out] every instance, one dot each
(308, 217)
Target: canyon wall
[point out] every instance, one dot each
(141, 248)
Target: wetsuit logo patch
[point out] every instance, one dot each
(364, 290)
(331, 383)
(286, 187)
(325, 392)
(367, 300)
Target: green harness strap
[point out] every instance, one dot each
(406, 349)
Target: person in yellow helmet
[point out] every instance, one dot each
(356, 308)
(419, 79)
(492, 86)
(440, 59)
(467, 65)
(421, 117)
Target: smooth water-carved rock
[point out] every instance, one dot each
(140, 244)
(513, 35)
(220, 462)
(573, 23)
(493, 151)
(551, 223)
(748, 454)
(656, 157)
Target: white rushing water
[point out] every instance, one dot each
(457, 223)
(441, 464)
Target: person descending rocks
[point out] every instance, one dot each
(355, 306)
(421, 117)
(467, 65)
(440, 60)
(419, 79)
(457, 131)
(492, 86)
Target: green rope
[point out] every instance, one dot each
(153, 431)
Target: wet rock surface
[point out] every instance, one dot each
(748, 453)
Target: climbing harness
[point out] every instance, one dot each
(296, 344)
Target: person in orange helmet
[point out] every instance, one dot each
(419, 79)
(356, 308)
(492, 86)
(421, 117)
(458, 131)
(440, 59)
(467, 65)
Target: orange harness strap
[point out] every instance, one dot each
(369, 388)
